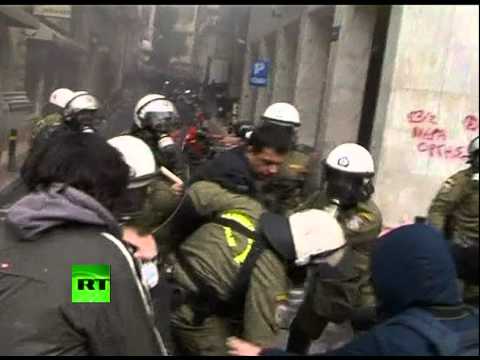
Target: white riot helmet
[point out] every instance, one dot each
(80, 101)
(154, 111)
(139, 158)
(282, 113)
(351, 158)
(305, 235)
(349, 173)
(60, 97)
(141, 162)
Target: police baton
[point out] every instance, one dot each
(170, 175)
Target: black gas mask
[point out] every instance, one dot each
(348, 188)
(87, 119)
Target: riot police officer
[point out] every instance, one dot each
(79, 113)
(347, 294)
(454, 211)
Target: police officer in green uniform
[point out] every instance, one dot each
(347, 294)
(72, 112)
(154, 119)
(220, 297)
(51, 113)
(454, 211)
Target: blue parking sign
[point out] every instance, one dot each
(259, 74)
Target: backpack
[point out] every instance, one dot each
(445, 341)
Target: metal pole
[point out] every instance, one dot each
(151, 23)
(12, 150)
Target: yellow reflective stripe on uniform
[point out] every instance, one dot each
(240, 258)
(245, 221)
(230, 238)
(240, 218)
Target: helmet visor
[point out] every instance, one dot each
(163, 122)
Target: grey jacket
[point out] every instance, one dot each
(44, 235)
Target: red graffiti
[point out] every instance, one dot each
(432, 140)
(443, 151)
(470, 123)
(422, 117)
(435, 134)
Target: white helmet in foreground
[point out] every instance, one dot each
(139, 158)
(61, 97)
(351, 158)
(305, 235)
(282, 113)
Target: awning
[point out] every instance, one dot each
(16, 17)
(46, 33)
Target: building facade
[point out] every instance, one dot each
(401, 80)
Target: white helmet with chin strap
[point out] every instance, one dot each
(282, 113)
(349, 174)
(351, 158)
(152, 103)
(139, 158)
(80, 101)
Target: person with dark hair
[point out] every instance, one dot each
(234, 171)
(75, 182)
(420, 302)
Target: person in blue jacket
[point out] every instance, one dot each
(414, 278)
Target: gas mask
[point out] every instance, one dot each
(160, 122)
(86, 120)
(348, 188)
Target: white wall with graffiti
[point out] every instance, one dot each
(429, 109)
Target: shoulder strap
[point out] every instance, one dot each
(237, 227)
(207, 293)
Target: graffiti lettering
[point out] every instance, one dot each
(432, 140)
(429, 133)
(470, 123)
(421, 117)
(443, 151)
